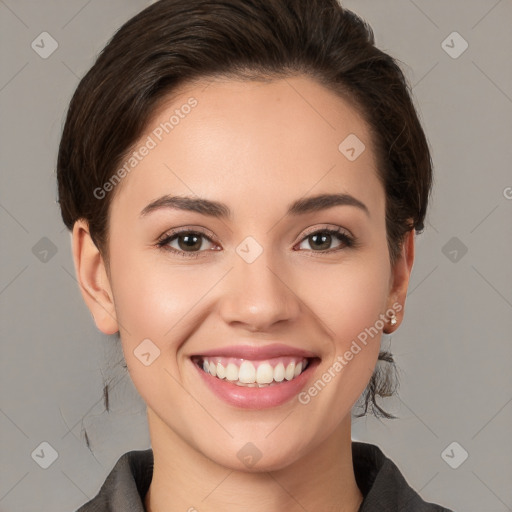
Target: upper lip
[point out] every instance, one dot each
(258, 352)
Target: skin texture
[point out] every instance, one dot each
(256, 146)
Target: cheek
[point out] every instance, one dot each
(156, 301)
(353, 298)
(350, 298)
(349, 307)
(152, 293)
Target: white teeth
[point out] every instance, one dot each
(279, 372)
(290, 371)
(247, 375)
(265, 374)
(232, 372)
(221, 372)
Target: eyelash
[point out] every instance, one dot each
(348, 241)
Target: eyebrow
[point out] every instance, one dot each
(222, 211)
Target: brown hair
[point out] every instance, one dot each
(174, 42)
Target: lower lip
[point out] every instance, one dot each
(258, 398)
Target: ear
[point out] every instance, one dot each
(399, 281)
(93, 279)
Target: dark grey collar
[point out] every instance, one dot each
(379, 479)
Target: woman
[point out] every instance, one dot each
(243, 180)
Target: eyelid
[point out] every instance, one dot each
(321, 227)
(187, 229)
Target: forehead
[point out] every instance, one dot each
(252, 142)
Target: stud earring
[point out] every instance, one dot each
(392, 320)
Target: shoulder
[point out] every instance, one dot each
(383, 485)
(125, 486)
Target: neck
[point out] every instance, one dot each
(186, 480)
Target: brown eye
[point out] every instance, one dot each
(321, 240)
(189, 243)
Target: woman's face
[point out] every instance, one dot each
(256, 277)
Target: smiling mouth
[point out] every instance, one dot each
(254, 373)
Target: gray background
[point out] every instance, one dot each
(454, 348)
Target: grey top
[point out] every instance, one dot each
(382, 485)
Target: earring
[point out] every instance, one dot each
(392, 320)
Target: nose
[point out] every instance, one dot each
(256, 295)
